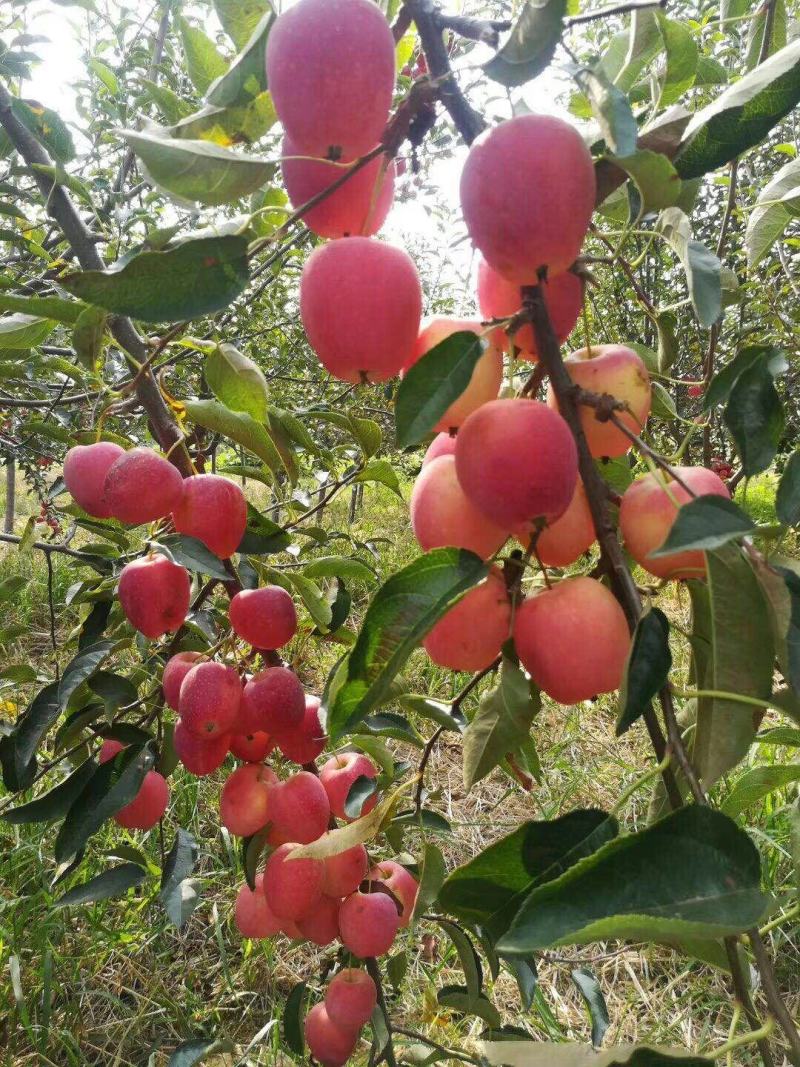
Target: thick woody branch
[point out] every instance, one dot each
(623, 584)
(486, 30)
(466, 119)
(84, 245)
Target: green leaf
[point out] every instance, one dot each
(114, 690)
(47, 126)
(704, 523)
(702, 267)
(666, 322)
(380, 470)
(262, 536)
(239, 18)
(87, 337)
(754, 415)
(787, 500)
(203, 62)
(18, 672)
(777, 205)
(81, 668)
(723, 382)
(171, 107)
(237, 381)
(293, 1015)
(742, 115)
(9, 587)
(431, 879)
(647, 669)
(568, 1054)
(177, 895)
(55, 803)
(45, 307)
(314, 599)
(188, 1053)
(629, 53)
(589, 989)
(191, 553)
(457, 998)
(755, 33)
(531, 44)
(399, 616)
(487, 889)
(367, 434)
(340, 567)
(632, 888)
(18, 749)
(111, 787)
(433, 383)
(195, 171)
(501, 723)
(105, 74)
(24, 331)
(656, 179)
(237, 426)
(757, 783)
(663, 405)
(246, 78)
(251, 852)
(735, 623)
(470, 964)
(111, 883)
(792, 581)
(445, 715)
(612, 109)
(192, 279)
(358, 794)
(682, 55)
(616, 473)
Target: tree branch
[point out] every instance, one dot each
(533, 302)
(83, 243)
(466, 119)
(615, 9)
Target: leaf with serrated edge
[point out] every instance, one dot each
(111, 883)
(705, 523)
(692, 874)
(501, 723)
(402, 611)
(741, 662)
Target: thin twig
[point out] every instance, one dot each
(45, 546)
(615, 9)
(624, 586)
(773, 996)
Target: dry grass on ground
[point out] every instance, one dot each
(113, 984)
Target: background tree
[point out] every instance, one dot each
(193, 343)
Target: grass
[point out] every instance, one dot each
(115, 984)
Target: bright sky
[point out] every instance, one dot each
(410, 220)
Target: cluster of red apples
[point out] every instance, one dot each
(499, 467)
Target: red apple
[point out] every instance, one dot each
(648, 510)
(154, 593)
(620, 372)
(527, 196)
(213, 510)
(573, 639)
